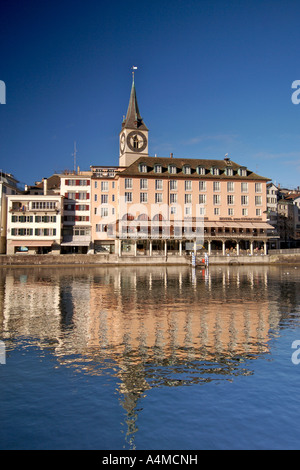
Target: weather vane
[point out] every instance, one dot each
(133, 68)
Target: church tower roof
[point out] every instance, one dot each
(133, 118)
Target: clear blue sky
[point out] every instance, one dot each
(213, 77)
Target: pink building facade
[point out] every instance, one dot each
(149, 205)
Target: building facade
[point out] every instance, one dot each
(34, 224)
(151, 205)
(8, 186)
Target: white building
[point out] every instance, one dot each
(76, 189)
(34, 224)
(8, 186)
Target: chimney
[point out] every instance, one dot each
(171, 155)
(45, 182)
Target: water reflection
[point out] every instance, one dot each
(149, 327)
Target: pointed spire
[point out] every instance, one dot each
(133, 118)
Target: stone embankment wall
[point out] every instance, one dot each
(99, 260)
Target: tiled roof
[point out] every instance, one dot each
(179, 163)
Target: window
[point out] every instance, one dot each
(258, 187)
(202, 210)
(217, 199)
(216, 211)
(188, 211)
(202, 198)
(46, 219)
(229, 171)
(230, 200)
(202, 185)
(82, 196)
(104, 198)
(96, 184)
(244, 187)
(188, 186)
(230, 212)
(104, 211)
(128, 197)
(187, 170)
(45, 205)
(230, 187)
(201, 170)
(173, 185)
(173, 210)
(258, 200)
(258, 212)
(143, 197)
(157, 168)
(22, 232)
(128, 183)
(173, 198)
(143, 168)
(242, 171)
(158, 198)
(143, 184)
(245, 212)
(22, 218)
(215, 171)
(172, 169)
(96, 197)
(188, 199)
(158, 185)
(216, 186)
(104, 185)
(82, 207)
(244, 200)
(45, 232)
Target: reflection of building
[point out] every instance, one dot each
(148, 327)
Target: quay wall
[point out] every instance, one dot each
(114, 260)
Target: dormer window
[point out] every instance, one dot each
(242, 171)
(157, 168)
(229, 171)
(187, 170)
(200, 170)
(143, 168)
(172, 169)
(215, 171)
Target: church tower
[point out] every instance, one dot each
(134, 134)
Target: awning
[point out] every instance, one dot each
(238, 224)
(26, 243)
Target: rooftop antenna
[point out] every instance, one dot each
(74, 155)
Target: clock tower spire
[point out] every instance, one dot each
(134, 133)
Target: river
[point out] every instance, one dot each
(140, 358)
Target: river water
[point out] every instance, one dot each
(150, 358)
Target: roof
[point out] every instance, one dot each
(179, 163)
(133, 118)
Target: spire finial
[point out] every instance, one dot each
(133, 68)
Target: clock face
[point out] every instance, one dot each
(136, 141)
(122, 143)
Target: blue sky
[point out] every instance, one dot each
(213, 77)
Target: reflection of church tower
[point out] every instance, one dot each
(134, 133)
